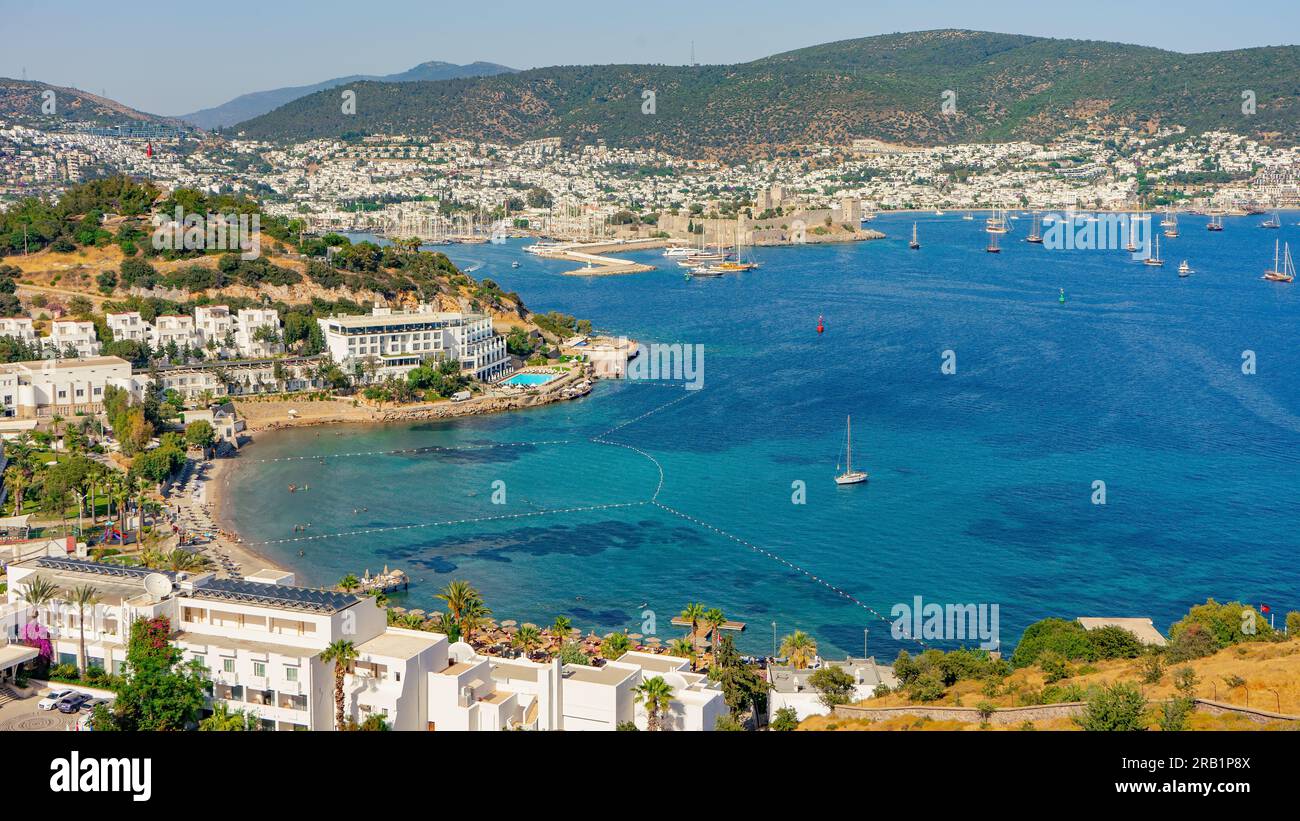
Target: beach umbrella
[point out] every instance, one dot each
(509, 623)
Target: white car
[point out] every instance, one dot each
(52, 700)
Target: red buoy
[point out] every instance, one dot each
(820, 326)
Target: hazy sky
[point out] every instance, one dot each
(176, 57)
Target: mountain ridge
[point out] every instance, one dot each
(888, 87)
(256, 103)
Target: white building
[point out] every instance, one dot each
(18, 327)
(259, 639)
(397, 342)
(215, 326)
(129, 326)
(248, 322)
(65, 387)
(791, 688)
(174, 328)
(473, 692)
(72, 334)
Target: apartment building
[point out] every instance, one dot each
(250, 323)
(74, 335)
(473, 692)
(396, 342)
(215, 327)
(259, 638)
(175, 329)
(129, 326)
(64, 387)
(18, 327)
(791, 686)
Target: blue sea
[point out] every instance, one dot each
(983, 481)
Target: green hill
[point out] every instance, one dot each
(888, 87)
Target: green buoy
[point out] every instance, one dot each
(1062, 296)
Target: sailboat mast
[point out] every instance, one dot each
(848, 446)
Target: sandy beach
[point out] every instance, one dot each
(215, 495)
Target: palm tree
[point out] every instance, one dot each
(682, 649)
(16, 481)
(615, 646)
(657, 696)
(349, 583)
(81, 597)
(713, 620)
(179, 559)
(694, 613)
(528, 639)
(458, 594)
(800, 648)
(560, 629)
(341, 653)
(472, 618)
(223, 719)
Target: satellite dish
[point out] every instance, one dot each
(157, 585)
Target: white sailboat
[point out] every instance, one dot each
(914, 244)
(1283, 267)
(849, 476)
(1154, 260)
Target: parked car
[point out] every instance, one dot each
(52, 700)
(72, 702)
(89, 706)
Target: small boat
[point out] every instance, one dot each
(969, 217)
(938, 212)
(678, 251)
(1154, 260)
(1283, 270)
(514, 264)
(914, 244)
(1169, 221)
(1274, 221)
(1185, 270)
(706, 271)
(1215, 223)
(849, 476)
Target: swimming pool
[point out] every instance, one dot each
(529, 379)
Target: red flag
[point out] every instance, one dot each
(1263, 608)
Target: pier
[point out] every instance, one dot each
(595, 263)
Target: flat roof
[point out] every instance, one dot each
(358, 320)
(66, 364)
(399, 645)
(607, 675)
(275, 595)
(1144, 629)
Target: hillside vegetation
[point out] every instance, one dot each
(887, 87)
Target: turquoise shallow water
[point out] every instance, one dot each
(981, 481)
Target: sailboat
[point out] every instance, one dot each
(1132, 235)
(1274, 221)
(1154, 260)
(997, 223)
(993, 243)
(1171, 225)
(849, 476)
(1283, 271)
(1169, 219)
(915, 243)
(1036, 232)
(1216, 223)
(969, 217)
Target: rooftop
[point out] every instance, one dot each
(399, 644)
(275, 595)
(1144, 629)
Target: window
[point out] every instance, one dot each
(259, 669)
(228, 665)
(290, 673)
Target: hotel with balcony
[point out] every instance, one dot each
(397, 342)
(259, 638)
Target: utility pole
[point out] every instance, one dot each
(773, 639)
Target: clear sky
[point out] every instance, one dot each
(176, 57)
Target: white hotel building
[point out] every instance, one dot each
(66, 387)
(212, 327)
(260, 639)
(397, 342)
